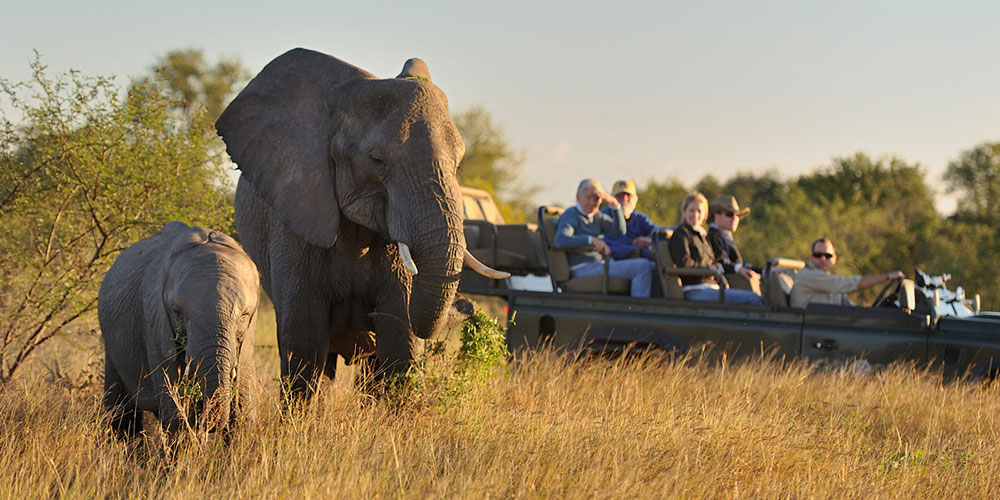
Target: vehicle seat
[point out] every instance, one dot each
(736, 280)
(779, 276)
(670, 275)
(558, 262)
(515, 248)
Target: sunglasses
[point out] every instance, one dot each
(727, 214)
(820, 255)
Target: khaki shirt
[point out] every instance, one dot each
(814, 285)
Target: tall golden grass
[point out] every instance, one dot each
(546, 427)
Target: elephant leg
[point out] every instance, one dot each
(168, 412)
(303, 342)
(330, 370)
(126, 418)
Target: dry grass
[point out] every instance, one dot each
(549, 428)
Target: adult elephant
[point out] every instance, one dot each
(349, 204)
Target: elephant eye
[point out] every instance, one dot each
(376, 159)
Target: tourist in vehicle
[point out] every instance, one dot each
(584, 224)
(815, 284)
(724, 216)
(638, 238)
(689, 247)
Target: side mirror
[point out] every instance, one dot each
(907, 298)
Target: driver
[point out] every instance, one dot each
(815, 284)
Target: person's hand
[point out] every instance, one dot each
(895, 275)
(643, 242)
(607, 198)
(600, 246)
(747, 273)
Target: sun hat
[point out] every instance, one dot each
(728, 203)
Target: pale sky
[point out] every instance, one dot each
(647, 90)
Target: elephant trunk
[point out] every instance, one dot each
(214, 360)
(434, 291)
(437, 246)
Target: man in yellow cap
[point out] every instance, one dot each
(637, 240)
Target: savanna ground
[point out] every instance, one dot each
(544, 426)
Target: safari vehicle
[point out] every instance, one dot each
(918, 320)
(515, 248)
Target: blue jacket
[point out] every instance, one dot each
(575, 230)
(639, 224)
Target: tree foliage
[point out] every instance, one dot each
(195, 85)
(491, 164)
(661, 201)
(975, 176)
(84, 173)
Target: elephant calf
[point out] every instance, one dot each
(178, 310)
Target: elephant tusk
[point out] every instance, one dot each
(483, 269)
(404, 253)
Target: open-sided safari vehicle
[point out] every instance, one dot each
(918, 320)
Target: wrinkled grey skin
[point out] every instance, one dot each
(336, 167)
(186, 296)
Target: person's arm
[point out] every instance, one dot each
(616, 217)
(715, 238)
(621, 248)
(874, 279)
(613, 223)
(641, 232)
(566, 232)
(646, 225)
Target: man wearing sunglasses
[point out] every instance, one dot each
(815, 284)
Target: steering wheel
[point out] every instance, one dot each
(884, 292)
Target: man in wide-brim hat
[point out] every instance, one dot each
(724, 214)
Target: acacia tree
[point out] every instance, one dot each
(84, 173)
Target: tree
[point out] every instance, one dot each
(975, 176)
(709, 186)
(970, 244)
(661, 201)
(492, 165)
(83, 175)
(884, 211)
(196, 85)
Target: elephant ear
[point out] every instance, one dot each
(277, 130)
(416, 69)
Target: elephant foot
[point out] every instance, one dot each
(126, 424)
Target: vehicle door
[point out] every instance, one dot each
(877, 335)
(964, 344)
